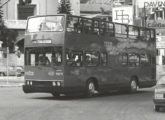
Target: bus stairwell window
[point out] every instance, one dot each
(133, 60)
(91, 58)
(144, 60)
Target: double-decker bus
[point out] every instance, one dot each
(71, 54)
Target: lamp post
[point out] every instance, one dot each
(144, 15)
(46, 7)
(7, 64)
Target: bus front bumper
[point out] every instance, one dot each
(159, 102)
(51, 89)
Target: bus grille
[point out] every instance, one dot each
(45, 83)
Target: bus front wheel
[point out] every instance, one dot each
(156, 108)
(2, 74)
(91, 88)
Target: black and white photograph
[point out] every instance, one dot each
(82, 59)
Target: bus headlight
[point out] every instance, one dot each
(54, 83)
(158, 96)
(27, 82)
(58, 83)
(31, 83)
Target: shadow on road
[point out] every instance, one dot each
(101, 95)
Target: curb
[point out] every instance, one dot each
(11, 85)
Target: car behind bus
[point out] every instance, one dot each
(159, 95)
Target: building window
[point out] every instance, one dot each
(24, 11)
(159, 12)
(158, 52)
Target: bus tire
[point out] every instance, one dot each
(56, 94)
(157, 108)
(133, 85)
(90, 88)
(2, 74)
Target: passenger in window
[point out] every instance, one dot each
(103, 59)
(103, 25)
(78, 26)
(88, 60)
(77, 60)
(43, 60)
(56, 59)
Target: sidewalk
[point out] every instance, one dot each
(11, 81)
(160, 72)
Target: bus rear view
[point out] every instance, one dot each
(44, 42)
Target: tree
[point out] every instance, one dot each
(7, 36)
(64, 7)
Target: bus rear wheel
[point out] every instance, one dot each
(133, 86)
(56, 94)
(91, 88)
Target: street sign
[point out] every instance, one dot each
(123, 15)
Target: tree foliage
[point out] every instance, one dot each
(64, 7)
(7, 36)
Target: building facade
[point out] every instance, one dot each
(152, 14)
(16, 12)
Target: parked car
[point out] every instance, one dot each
(12, 71)
(159, 94)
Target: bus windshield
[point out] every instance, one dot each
(45, 56)
(46, 23)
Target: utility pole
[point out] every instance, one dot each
(4, 3)
(46, 7)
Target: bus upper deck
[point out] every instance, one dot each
(60, 24)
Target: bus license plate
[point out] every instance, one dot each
(159, 96)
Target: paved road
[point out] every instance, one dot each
(15, 105)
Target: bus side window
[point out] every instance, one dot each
(121, 30)
(103, 28)
(144, 60)
(91, 58)
(87, 25)
(74, 58)
(133, 32)
(145, 34)
(123, 58)
(133, 60)
(110, 29)
(56, 58)
(72, 24)
(96, 27)
(77, 60)
(103, 59)
(78, 25)
(152, 35)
